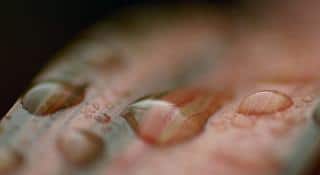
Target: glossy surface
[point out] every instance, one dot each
(50, 97)
(10, 160)
(175, 116)
(265, 102)
(80, 147)
(241, 98)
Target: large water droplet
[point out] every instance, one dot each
(175, 116)
(265, 102)
(49, 97)
(10, 160)
(80, 147)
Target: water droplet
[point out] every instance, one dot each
(265, 102)
(175, 116)
(49, 97)
(80, 146)
(103, 118)
(10, 160)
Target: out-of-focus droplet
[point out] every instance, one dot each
(103, 119)
(80, 147)
(175, 116)
(110, 60)
(49, 97)
(265, 102)
(10, 160)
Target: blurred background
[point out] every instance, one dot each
(32, 31)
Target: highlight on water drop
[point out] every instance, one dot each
(49, 97)
(175, 116)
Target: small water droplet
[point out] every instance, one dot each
(103, 118)
(80, 146)
(50, 97)
(265, 102)
(175, 116)
(10, 160)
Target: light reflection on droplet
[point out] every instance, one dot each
(265, 102)
(80, 147)
(175, 116)
(49, 97)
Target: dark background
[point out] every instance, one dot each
(32, 31)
